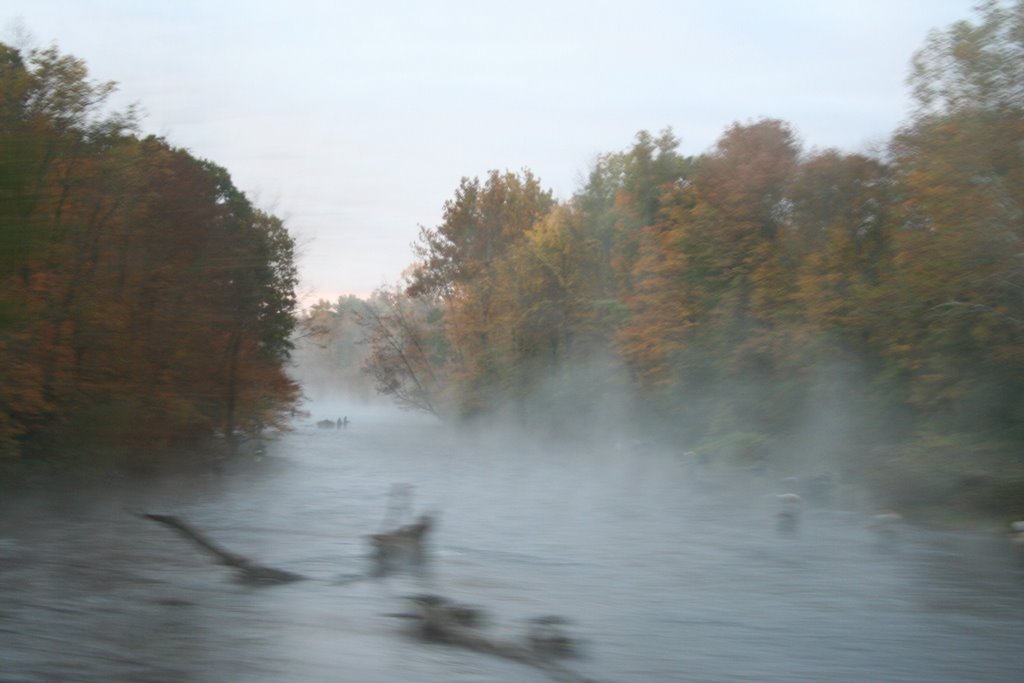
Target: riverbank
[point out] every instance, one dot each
(935, 482)
(947, 484)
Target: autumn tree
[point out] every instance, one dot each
(958, 289)
(53, 134)
(838, 240)
(550, 276)
(150, 301)
(458, 263)
(711, 287)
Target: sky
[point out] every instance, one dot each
(356, 121)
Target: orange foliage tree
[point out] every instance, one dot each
(957, 292)
(712, 290)
(464, 263)
(146, 300)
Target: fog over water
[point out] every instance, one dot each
(666, 570)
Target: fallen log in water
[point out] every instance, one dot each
(248, 571)
(441, 621)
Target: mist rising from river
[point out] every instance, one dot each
(666, 569)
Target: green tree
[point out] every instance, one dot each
(623, 195)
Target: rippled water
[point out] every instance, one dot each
(666, 574)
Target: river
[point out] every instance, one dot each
(664, 573)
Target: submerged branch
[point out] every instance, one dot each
(249, 571)
(440, 621)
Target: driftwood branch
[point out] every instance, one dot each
(248, 571)
(440, 621)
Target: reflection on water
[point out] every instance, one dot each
(664, 573)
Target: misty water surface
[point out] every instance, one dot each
(666, 573)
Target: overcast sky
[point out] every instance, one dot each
(355, 121)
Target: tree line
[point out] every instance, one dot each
(759, 297)
(145, 300)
